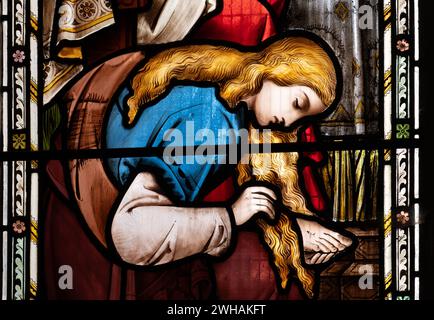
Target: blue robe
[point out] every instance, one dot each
(187, 109)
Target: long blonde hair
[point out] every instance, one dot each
(281, 170)
(289, 61)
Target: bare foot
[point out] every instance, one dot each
(320, 243)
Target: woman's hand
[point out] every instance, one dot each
(254, 200)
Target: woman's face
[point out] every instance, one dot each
(276, 105)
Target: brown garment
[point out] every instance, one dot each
(68, 240)
(86, 104)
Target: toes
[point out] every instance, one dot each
(322, 246)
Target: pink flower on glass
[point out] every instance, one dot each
(402, 45)
(19, 226)
(19, 56)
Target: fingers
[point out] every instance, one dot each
(264, 199)
(331, 242)
(328, 257)
(343, 241)
(319, 258)
(326, 243)
(254, 200)
(264, 195)
(264, 207)
(264, 203)
(315, 258)
(263, 190)
(323, 258)
(320, 246)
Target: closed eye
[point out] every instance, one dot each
(297, 105)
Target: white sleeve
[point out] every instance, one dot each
(148, 230)
(170, 20)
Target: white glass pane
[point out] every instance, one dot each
(416, 30)
(5, 265)
(5, 122)
(5, 193)
(387, 222)
(416, 173)
(4, 56)
(5, 7)
(416, 98)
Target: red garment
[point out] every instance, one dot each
(316, 196)
(244, 22)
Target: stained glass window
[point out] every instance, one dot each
(358, 165)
